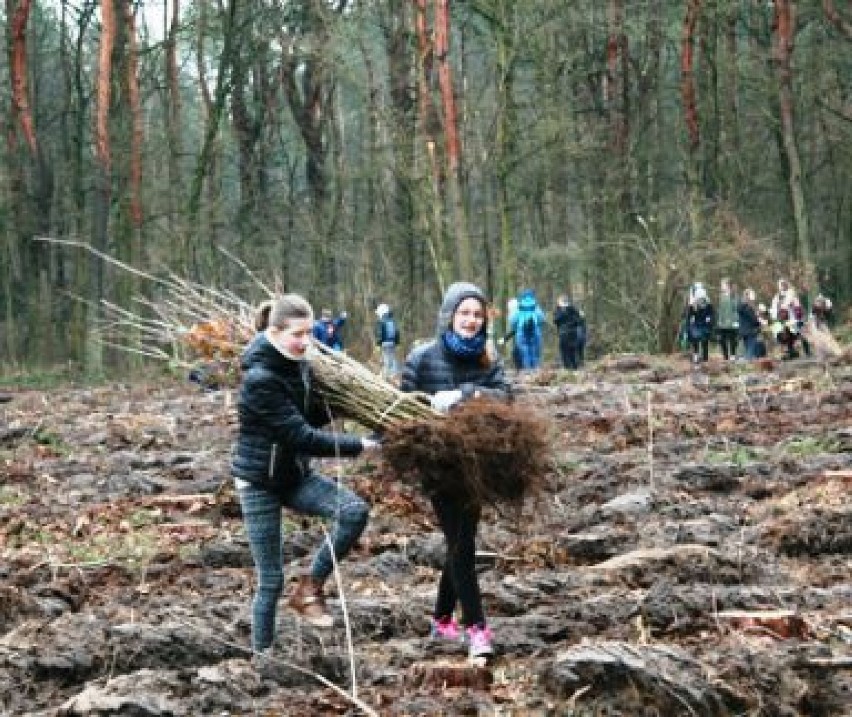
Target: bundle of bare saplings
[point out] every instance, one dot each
(483, 451)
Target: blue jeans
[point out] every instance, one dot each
(529, 353)
(313, 495)
(390, 365)
(750, 343)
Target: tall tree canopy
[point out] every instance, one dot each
(367, 150)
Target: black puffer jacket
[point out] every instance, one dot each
(279, 421)
(431, 368)
(749, 322)
(567, 320)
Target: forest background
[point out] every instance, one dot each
(360, 151)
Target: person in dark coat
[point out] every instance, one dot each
(279, 430)
(700, 322)
(568, 327)
(454, 367)
(749, 324)
(525, 328)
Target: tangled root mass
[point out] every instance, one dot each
(482, 452)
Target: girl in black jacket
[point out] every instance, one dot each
(279, 421)
(453, 367)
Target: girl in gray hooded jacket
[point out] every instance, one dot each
(453, 367)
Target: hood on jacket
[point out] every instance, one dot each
(454, 295)
(527, 300)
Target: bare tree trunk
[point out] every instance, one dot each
(506, 145)
(428, 126)
(173, 111)
(689, 97)
(730, 131)
(18, 69)
(215, 108)
(785, 27)
(103, 182)
(400, 59)
(451, 137)
(137, 132)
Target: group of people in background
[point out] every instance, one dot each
(738, 318)
(525, 322)
(328, 330)
(734, 321)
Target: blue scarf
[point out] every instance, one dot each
(463, 348)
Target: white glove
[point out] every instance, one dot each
(369, 444)
(443, 401)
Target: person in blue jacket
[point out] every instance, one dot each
(568, 322)
(526, 328)
(329, 330)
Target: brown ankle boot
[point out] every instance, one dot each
(308, 601)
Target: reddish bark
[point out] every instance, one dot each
(136, 133)
(445, 82)
(18, 70)
(687, 73)
(428, 120)
(836, 19)
(426, 52)
(615, 19)
(102, 148)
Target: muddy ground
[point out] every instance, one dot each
(691, 557)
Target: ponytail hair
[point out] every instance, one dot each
(261, 316)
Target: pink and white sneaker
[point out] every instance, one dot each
(446, 629)
(479, 642)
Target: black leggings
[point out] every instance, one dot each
(701, 346)
(728, 342)
(570, 353)
(458, 577)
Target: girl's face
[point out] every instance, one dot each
(469, 318)
(295, 337)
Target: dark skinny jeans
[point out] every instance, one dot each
(313, 495)
(728, 342)
(458, 578)
(700, 347)
(569, 350)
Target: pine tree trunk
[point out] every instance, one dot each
(785, 27)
